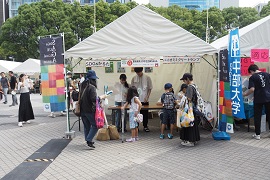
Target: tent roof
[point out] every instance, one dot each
(6, 66)
(253, 36)
(28, 66)
(140, 33)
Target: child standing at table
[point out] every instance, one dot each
(135, 107)
(168, 100)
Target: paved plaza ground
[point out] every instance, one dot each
(149, 158)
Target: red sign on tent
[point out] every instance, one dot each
(260, 55)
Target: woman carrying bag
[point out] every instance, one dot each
(190, 135)
(88, 96)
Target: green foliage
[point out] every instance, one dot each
(19, 35)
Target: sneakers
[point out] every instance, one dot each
(131, 140)
(161, 136)
(136, 138)
(5, 102)
(187, 143)
(170, 136)
(62, 113)
(28, 122)
(146, 129)
(52, 115)
(91, 145)
(257, 137)
(20, 124)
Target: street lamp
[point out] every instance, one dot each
(207, 32)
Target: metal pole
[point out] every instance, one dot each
(207, 27)
(94, 29)
(69, 134)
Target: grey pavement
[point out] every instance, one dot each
(149, 158)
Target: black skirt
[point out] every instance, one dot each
(191, 134)
(25, 109)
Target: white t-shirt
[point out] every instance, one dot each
(121, 92)
(133, 106)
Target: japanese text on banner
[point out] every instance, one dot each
(180, 59)
(235, 75)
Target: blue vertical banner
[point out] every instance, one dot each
(235, 75)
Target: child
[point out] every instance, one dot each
(135, 107)
(168, 100)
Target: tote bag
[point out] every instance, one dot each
(187, 118)
(99, 115)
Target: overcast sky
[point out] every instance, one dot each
(251, 3)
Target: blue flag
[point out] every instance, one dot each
(235, 74)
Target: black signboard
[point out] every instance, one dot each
(51, 50)
(223, 65)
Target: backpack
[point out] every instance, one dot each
(200, 107)
(168, 100)
(75, 95)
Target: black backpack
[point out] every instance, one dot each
(75, 95)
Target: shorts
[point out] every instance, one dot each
(168, 116)
(132, 123)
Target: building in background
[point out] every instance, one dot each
(259, 7)
(228, 3)
(3, 11)
(15, 4)
(159, 3)
(195, 4)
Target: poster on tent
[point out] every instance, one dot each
(52, 73)
(235, 75)
(259, 55)
(225, 108)
(140, 63)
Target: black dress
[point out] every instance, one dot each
(25, 108)
(191, 134)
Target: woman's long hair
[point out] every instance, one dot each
(124, 78)
(132, 91)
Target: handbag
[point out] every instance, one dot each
(77, 110)
(187, 118)
(139, 118)
(99, 115)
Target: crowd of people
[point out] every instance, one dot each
(136, 94)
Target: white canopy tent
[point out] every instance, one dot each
(144, 34)
(30, 66)
(253, 36)
(6, 66)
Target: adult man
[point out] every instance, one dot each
(13, 86)
(4, 85)
(259, 83)
(143, 83)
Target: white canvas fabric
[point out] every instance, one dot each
(140, 33)
(6, 66)
(253, 36)
(28, 66)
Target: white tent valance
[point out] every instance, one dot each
(140, 33)
(6, 66)
(253, 36)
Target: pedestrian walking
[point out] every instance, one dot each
(88, 96)
(13, 87)
(4, 86)
(25, 108)
(259, 83)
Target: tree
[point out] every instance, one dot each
(265, 10)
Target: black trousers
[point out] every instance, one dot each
(145, 115)
(258, 115)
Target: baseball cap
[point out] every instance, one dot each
(183, 86)
(91, 74)
(187, 76)
(167, 86)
